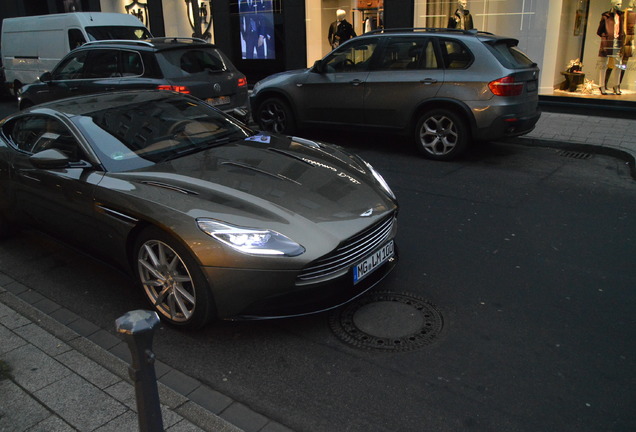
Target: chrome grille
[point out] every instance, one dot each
(350, 251)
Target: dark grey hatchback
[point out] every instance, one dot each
(184, 65)
(444, 87)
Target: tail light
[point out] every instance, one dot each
(178, 89)
(506, 86)
(242, 82)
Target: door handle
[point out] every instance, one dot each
(73, 88)
(428, 81)
(356, 82)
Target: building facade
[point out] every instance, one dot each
(583, 47)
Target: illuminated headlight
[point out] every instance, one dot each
(380, 180)
(250, 240)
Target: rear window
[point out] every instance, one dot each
(194, 61)
(509, 55)
(117, 32)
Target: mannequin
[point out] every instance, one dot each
(462, 19)
(611, 31)
(340, 30)
(627, 46)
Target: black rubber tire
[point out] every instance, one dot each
(187, 301)
(441, 134)
(275, 115)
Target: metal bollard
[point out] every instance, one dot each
(137, 329)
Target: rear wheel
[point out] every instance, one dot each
(172, 280)
(275, 115)
(441, 135)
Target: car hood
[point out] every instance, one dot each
(261, 180)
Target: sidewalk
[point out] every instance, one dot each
(59, 372)
(66, 374)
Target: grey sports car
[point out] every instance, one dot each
(214, 220)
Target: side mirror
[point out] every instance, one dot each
(241, 115)
(49, 159)
(319, 67)
(46, 77)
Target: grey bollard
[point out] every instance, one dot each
(137, 329)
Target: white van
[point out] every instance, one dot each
(33, 45)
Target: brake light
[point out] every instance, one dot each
(242, 82)
(178, 89)
(506, 86)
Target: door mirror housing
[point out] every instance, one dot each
(46, 77)
(49, 159)
(319, 67)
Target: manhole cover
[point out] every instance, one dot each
(387, 321)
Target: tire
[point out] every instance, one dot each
(275, 115)
(441, 134)
(26, 104)
(172, 280)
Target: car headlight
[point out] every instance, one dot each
(251, 240)
(380, 180)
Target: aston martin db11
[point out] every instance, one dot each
(213, 219)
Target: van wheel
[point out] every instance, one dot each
(441, 135)
(275, 115)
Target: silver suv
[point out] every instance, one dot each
(445, 87)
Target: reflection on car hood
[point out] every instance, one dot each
(263, 177)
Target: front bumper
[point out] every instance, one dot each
(262, 294)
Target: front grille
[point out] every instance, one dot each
(349, 252)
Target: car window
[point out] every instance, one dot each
(509, 55)
(456, 55)
(33, 134)
(102, 63)
(131, 64)
(117, 32)
(71, 68)
(75, 38)
(196, 61)
(354, 56)
(406, 53)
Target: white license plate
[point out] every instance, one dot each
(373, 261)
(221, 100)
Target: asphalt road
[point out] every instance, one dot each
(527, 255)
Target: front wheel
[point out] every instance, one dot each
(172, 280)
(275, 115)
(441, 135)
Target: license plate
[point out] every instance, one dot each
(372, 262)
(221, 100)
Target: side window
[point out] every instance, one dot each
(131, 64)
(33, 134)
(352, 57)
(404, 54)
(75, 39)
(102, 63)
(71, 68)
(456, 55)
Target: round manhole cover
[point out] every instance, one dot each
(388, 321)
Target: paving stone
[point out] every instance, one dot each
(52, 424)
(83, 327)
(104, 339)
(244, 418)
(180, 382)
(73, 407)
(30, 296)
(13, 403)
(183, 426)
(33, 369)
(47, 306)
(42, 339)
(10, 340)
(15, 287)
(88, 369)
(64, 316)
(128, 421)
(275, 427)
(210, 399)
(12, 320)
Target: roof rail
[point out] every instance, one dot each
(120, 41)
(176, 39)
(427, 29)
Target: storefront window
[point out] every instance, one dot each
(327, 19)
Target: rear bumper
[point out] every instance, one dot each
(508, 126)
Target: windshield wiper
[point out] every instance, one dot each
(195, 149)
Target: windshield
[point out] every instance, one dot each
(117, 33)
(144, 133)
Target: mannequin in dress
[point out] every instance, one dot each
(462, 19)
(627, 45)
(611, 31)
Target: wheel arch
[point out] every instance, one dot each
(453, 105)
